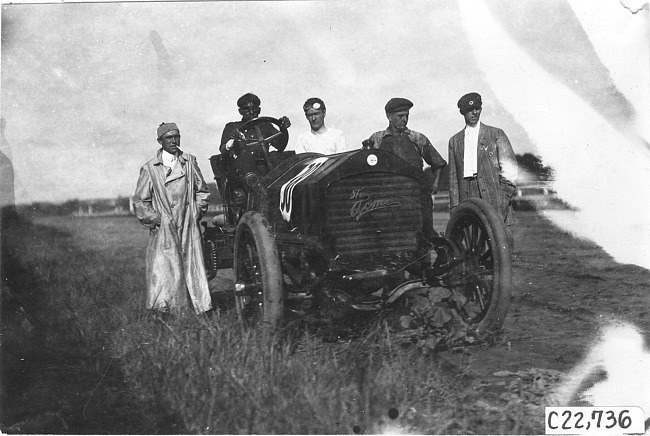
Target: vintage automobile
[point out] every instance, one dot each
(352, 229)
(537, 197)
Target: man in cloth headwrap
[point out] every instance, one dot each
(482, 163)
(408, 144)
(170, 199)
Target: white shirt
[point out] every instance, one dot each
(169, 160)
(325, 141)
(470, 156)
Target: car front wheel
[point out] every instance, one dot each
(259, 293)
(485, 275)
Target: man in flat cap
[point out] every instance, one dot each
(249, 108)
(320, 139)
(482, 163)
(240, 160)
(408, 144)
(170, 199)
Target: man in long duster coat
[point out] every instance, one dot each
(170, 198)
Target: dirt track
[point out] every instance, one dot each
(566, 291)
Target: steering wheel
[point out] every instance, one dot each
(252, 125)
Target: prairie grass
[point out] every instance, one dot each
(226, 380)
(207, 375)
(222, 379)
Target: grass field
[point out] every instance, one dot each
(96, 362)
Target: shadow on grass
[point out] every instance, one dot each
(57, 374)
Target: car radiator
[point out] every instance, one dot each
(374, 213)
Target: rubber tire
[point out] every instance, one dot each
(253, 237)
(478, 211)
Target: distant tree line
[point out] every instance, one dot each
(534, 166)
(75, 206)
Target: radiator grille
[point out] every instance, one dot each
(374, 213)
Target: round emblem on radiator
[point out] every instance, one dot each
(372, 160)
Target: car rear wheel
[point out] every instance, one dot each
(484, 278)
(259, 293)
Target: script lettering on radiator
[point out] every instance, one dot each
(365, 205)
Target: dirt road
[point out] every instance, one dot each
(566, 292)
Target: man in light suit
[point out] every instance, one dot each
(482, 163)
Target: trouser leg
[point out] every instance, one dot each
(472, 190)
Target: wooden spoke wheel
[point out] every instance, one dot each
(485, 275)
(259, 293)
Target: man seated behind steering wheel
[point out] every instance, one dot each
(240, 159)
(249, 108)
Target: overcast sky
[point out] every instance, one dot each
(84, 85)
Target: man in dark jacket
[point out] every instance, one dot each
(412, 146)
(240, 158)
(249, 109)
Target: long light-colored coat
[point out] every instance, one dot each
(175, 268)
(494, 151)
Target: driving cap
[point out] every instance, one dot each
(470, 101)
(398, 104)
(248, 100)
(165, 127)
(313, 103)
